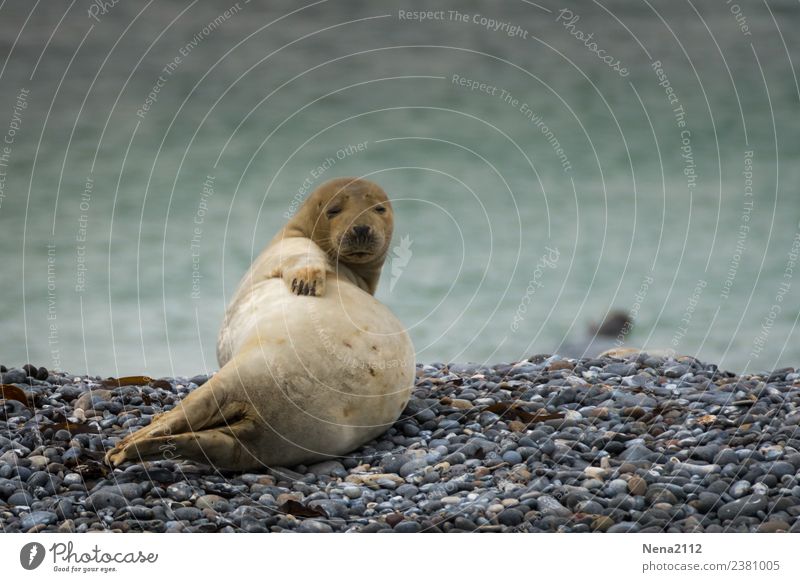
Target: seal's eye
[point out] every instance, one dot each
(333, 211)
(380, 209)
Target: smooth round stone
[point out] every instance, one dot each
(706, 501)
(38, 518)
(38, 462)
(39, 479)
(547, 447)
(187, 513)
(781, 468)
(636, 453)
(592, 484)
(740, 489)
(19, 498)
(180, 491)
(744, 507)
(139, 512)
(413, 466)
(637, 485)
(65, 508)
(314, 526)
(352, 492)
(14, 376)
(725, 457)
(617, 487)
(7, 488)
(73, 479)
(215, 502)
(410, 429)
(512, 457)
(450, 500)
(773, 526)
(127, 490)
(407, 527)
(328, 468)
(589, 506)
(330, 507)
(253, 526)
(455, 458)
(409, 490)
(620, 369)
(200, 379)
(103, 499)
(510, 517)
(602, 523)
(624, 527)
(675, 371)
(549, 505)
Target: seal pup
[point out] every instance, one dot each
(312, 365)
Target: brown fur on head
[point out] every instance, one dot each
(352, 221)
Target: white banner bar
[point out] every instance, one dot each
(331, 557)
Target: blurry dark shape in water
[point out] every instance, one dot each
(616, 322)
(612, 333)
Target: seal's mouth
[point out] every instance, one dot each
(358, 249)
(356, 255)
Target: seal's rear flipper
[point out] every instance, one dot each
(202, 427)
(205, 446)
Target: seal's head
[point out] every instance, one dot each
(351, 220)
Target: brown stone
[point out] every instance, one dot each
(602, 523)
(561, 365)
(637, 485)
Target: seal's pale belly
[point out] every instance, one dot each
(338, 368)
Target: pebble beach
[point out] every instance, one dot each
(549, 444)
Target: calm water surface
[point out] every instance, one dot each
(541, 177)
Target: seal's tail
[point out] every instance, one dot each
(205, 425)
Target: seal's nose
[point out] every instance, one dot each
(361, 231)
